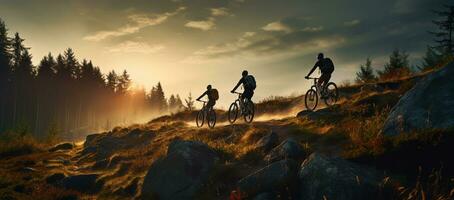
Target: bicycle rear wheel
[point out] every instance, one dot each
(200, 118)
(233, 112)
(249, 111)
(311, 99)
(211, 118)
(331, 94)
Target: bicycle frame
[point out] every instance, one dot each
(239, 102)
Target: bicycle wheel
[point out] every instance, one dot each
(233, 112)
(311, 99)
(200, 118)
(211, 118)
(249, 111)
(331, 94)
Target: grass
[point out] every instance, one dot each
(20, 145)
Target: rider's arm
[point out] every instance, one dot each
(201, 96)
(313, 68)
(238, 84)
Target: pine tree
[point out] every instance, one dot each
(444, 35)
(112, 81)
(189, 103)
(71, 64)
(398, 66)
(5, 75)
(179, 104)
(123, 83)
(431, 59)
(172, 103)
(18, 48)
(161, 101)
(366, 73)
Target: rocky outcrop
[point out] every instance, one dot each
(85, 183)
(323, 177)
(102, 146)
(62, 146)
(428, 105)
(181, 173)
(289, 148)
(274, 177)
(267, 142)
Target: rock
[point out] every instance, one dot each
(274, 177)
(86, 183)
(323, 177)
(181, 173)
(328, 113)
(267, 142)
(27, 169)
(62, 146)
(289, 148)
(105, 145)
(428, 105)
(55, 179)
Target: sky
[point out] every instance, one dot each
(188, 44)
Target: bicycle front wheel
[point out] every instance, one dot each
(211, 118)
(311, 99)
(249, 111)
(331, 94)
(233, 112)
(200, 118)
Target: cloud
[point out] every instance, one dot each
(219, 12)
(204, 25)
(135, 47)
(352, 23)
(313, 29)
(137, 22)
(210, 22)
(277, 26)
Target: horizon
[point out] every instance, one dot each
(188, 45)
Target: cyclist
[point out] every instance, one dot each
(213, 96)
(249, 85)
(326, 67)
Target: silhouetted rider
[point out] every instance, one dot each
(213, 96)
(326, 67)
(249, 85)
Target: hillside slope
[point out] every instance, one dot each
(289, 157)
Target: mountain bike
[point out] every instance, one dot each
(329, 94)
(245, 108)
(206, 113)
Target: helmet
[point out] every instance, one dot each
(320, 56)
(208, 87)
(245, 73)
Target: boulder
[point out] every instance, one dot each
(55, 179)
(274, 177)
(61, 147)
(324, 177)
(267, 142)
(181, 173)
(86, 183)
(428, 105)
(289, 148)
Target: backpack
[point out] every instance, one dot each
(214, 94)
(249, 82)
(327, 66)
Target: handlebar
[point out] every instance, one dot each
(237, 93)
(311, 78)
(202, 101)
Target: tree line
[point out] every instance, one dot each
(436, 55)
(64, 96)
